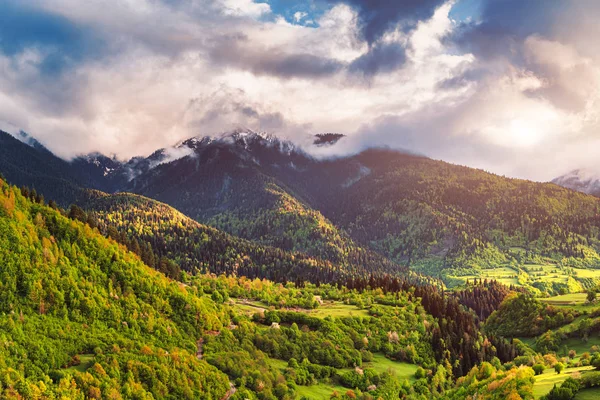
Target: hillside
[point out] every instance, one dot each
(231, 183)
(69, 295)
(36, 167)
(379, 206)
(159, 230)
(436, 215)
(442, 219)
(84, 318)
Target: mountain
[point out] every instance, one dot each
(28, 163)
(582, 180)
(378, 206)
(155, 230)
(235, 183)
(412, 210)
(82, 314)
(81, 317)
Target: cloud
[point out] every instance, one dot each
(299, 16)
(378, 16)
(502, 90)
(236, 51)
(62, 42)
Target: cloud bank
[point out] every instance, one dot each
(507, 85)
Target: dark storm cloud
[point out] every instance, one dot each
(379, 58)
(505, 23)
(62, 42)
(238, 51)
(295, 65)
(378, 16)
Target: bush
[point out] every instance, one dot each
(539, 369)
(559, 367)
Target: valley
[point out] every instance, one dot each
(379, 275)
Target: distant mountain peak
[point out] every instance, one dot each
(243, 138)
(582, 180)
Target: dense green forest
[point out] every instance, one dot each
(67, 293)
(155, 230)
(86, 318)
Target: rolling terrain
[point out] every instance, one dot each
(377, 207)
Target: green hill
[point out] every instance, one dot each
(82, 317)
(155, 230)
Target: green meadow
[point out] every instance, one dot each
(544, 382)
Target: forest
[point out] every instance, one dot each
(435, 282)
(85, 317)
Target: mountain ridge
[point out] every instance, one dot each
(441, 219)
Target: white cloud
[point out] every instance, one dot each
(158, 85)
(247, 8)
(299, 16)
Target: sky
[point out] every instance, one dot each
(509, 86)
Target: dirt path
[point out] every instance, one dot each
(199, 343)
(231, 391)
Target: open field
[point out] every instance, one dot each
(328, 308)
(338, 309)
(579, 345)
(380, 364)
(321, 391)
(532, 274)
(588, 394)
(544, 383)
(572, 299)
(402, 370)
(318, 391)
(249, 307)
(505, 275)
(86, 361)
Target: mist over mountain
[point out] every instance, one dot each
(582, 180)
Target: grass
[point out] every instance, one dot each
(318, 391)
(536, 273)
(572, 299)
(544, 382)
(382, 364)
(588, 394)
(579, 345)
(337, 309)
(278, 364)
(321, 391)
(249, 307)
(505, 275)
(328, 308)
(86, 361)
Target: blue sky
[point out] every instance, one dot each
(287, 8)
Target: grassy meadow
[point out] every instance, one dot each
(544, 382)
